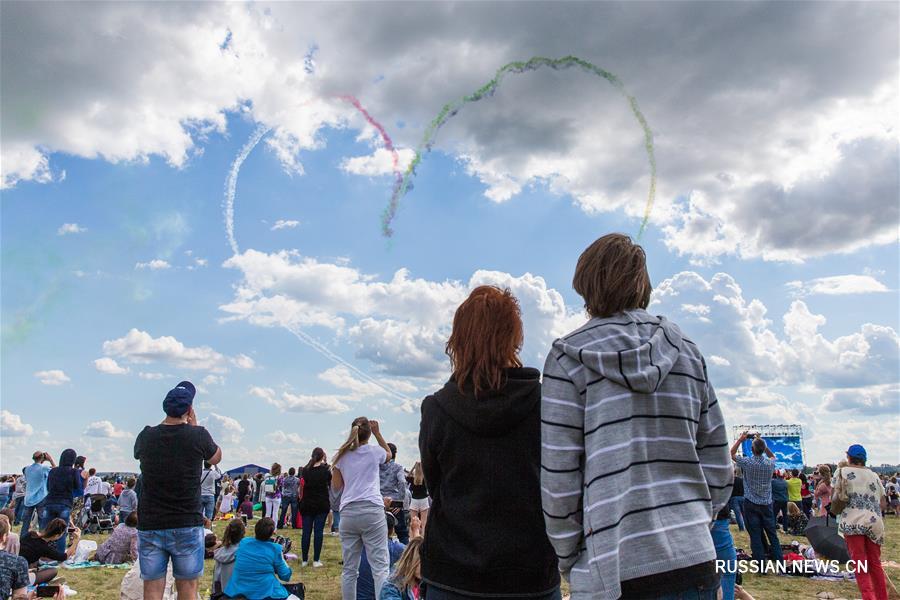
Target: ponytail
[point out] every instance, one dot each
(319, 454)
(360, 432)
(417, 474)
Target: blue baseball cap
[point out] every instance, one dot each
(856, 451)
(179, 399)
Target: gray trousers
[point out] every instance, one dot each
(363, 524)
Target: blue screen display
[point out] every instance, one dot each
(787, 450)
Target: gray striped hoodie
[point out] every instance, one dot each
(634, 461)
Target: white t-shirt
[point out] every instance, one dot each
(93, 485)
(208, 480)
(359, 469)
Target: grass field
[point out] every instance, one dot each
(324, 583)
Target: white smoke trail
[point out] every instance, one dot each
(230, 192)
(327, 353)
(231, 182)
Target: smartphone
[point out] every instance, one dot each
(47, 591)
(71, 530)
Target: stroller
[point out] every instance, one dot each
(94, 519)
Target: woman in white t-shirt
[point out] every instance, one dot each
(356, 474)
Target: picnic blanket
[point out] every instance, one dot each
(92, 564)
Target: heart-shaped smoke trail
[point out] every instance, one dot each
(452, 108)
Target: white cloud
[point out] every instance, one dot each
(109, 366)
(242, 361)
(837, 285)
(322, 403)
(11, 425)
(214, 380)
(785, 172)
(285, 224)
(157, 264)
(139, 347)
(223, 429)
(105, 429)
(280, 437)
(380, 162)
(753, 353)
(871, 400)
(152, 376)
(52, 377)
(400, 324)
(879, 436)
(67, 228)
(719, 361)
(868, 357)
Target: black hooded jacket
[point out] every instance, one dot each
(63, 481)
(485, 533)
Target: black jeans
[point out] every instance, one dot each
(292, 503)
(780, 508)
(313, 524)
(760, 521)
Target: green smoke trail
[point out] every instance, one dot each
(452, 108)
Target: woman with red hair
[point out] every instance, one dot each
(480, 445)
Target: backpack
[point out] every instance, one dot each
(839, 496)
(269, 485)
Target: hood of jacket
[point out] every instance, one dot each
(492, 413)
(226, 554)
(67, 458)
(633, 348)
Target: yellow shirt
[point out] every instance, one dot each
(794, 484)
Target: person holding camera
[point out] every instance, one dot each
(758, 516)
(37, 545)
(258, 566)
(35, 486)
(170, 521)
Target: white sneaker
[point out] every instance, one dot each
(304, 564)
(318, 564)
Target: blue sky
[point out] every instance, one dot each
(773, 242)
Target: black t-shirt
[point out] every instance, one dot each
(171, 462)
(315, 490)
(33, 548)
(419, 492)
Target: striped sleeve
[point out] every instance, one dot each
(713, 450)
(562, 461)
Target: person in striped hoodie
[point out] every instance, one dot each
(634, 454)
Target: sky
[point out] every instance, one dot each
(190, 191)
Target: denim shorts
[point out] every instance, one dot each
(184, 546)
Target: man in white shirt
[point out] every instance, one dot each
(208, 478)
(94, 484)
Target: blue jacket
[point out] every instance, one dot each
(255, 568)
(390, 591)
(779, 490)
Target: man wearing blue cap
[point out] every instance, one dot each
(170, 522)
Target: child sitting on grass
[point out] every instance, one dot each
(225, 555)
(403, 584)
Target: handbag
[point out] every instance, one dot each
(839, 496)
